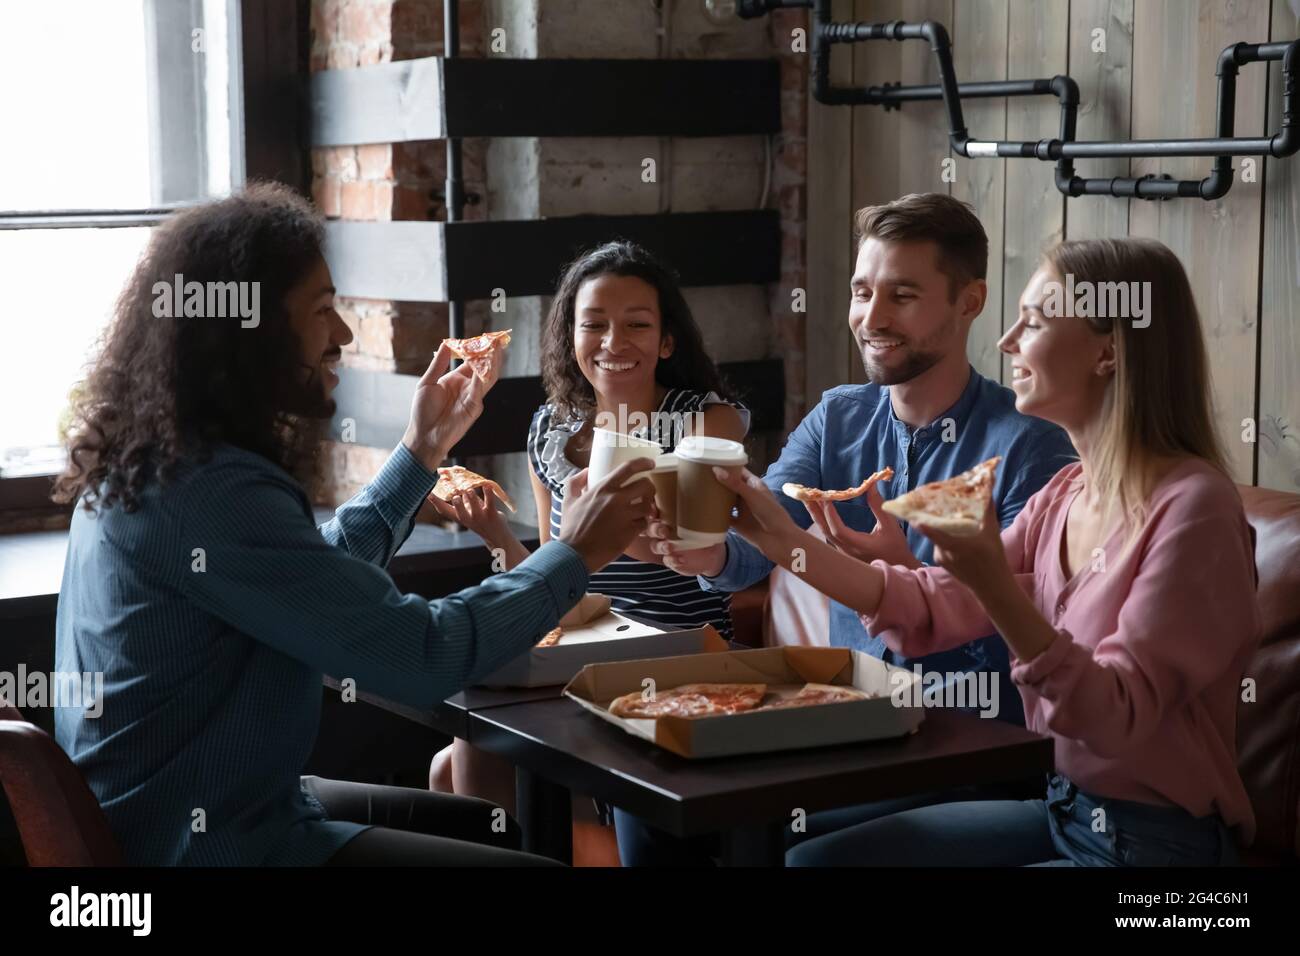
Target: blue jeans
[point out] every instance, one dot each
(640, 844)
(1068, 828)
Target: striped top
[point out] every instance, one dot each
(646, 590)
(214, 610)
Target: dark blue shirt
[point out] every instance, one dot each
(213, 612)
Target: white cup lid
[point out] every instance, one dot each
(612, 439)
(704, 449)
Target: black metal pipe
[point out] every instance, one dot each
(1064, 149)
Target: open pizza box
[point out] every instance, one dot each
(784, 670)
(612, 637)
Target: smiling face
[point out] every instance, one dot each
(1060, 366)
(901, 315)
(618, 335)
(321, 332)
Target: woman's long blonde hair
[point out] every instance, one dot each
(1158, 402)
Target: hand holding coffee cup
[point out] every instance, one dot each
(609, 449)
(761, 519)
(601, 519)
(704, 503)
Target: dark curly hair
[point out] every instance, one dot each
(165, 389)
(688, 367)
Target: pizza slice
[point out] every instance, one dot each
(690, 700)
(814, 694)
(458, 481)
(804, 493)
(955, 505)
(477, 352)
(551, 638)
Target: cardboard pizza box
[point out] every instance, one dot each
(612, 637)
(781, 668)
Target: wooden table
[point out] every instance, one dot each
(557, 747)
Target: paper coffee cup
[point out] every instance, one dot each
(703, 503)
(664, 478)
(609, 449)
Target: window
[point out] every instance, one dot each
(115, 114)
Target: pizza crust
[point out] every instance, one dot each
(804, 493)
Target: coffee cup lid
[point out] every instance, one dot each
(705, 449)
(612, 439)
(665, 463)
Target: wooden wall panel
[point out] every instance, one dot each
(1155, 79)
(1176, 44)
(1105, 92)
(876, 153)
(830, 227)
(979, 34)
(1279, 371)
(1037, 46)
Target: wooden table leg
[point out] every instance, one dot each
(545, 813)
(754, 846)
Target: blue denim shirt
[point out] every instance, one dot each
(214, 610)
(853, 432)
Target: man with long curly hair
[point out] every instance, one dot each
(199, 584)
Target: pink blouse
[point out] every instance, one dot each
(1141, 686)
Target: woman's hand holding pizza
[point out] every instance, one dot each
(886, 542)
(978, 560)
(477, 511)
(762, 521)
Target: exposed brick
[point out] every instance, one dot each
(375, 161)
(325, 191)
(365, 22)
(411, 204)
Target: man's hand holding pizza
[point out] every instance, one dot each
(886, 542)
(445, 405)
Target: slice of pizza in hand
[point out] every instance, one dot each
(956, 505)
(479, 352)
(804, 493)
(690, 700)
(456, 480)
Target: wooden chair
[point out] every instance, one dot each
(59, 819)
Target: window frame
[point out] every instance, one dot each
(269, 49)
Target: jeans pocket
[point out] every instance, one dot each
(1166, 846)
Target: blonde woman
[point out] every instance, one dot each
(1125, 591)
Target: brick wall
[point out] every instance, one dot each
(382, 183)
(530, 178)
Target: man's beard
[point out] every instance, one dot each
(916, 363)
(918, 359)
(308, 399)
